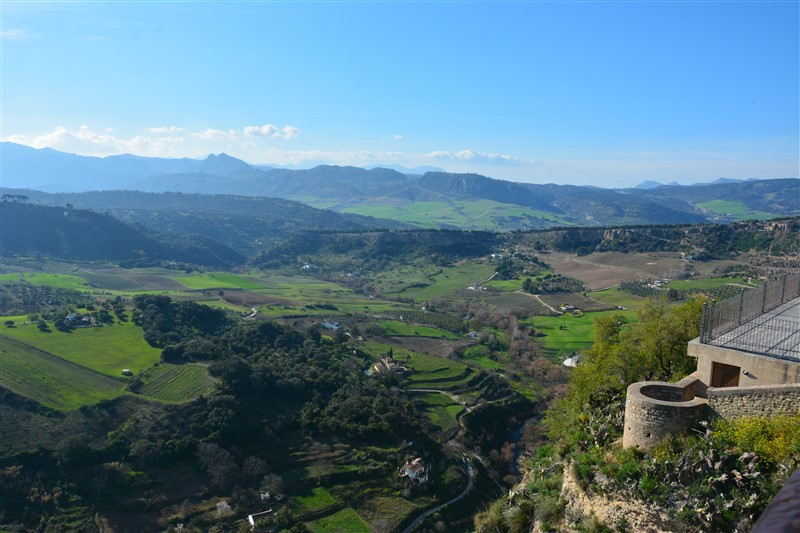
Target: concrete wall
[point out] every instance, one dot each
(732, 402)
(761, 370)
(655, 409)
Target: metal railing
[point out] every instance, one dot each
(721, 317)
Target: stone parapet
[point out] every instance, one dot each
(656, 409)
(760, 400)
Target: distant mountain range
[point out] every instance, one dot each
(434, 199)
(647, 184)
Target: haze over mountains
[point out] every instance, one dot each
(434, 199)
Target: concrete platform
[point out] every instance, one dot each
(775, 333)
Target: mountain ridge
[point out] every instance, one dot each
(434, 199)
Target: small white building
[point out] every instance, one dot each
(415, 470)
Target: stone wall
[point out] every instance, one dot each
(655, 409)
(733, 402)
(756, 369)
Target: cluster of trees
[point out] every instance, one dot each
(552, 282)
(261, 362)
(26, 297)
(354, 251)
(653, 348)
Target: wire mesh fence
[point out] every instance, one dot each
(719, 318)
(765, 335)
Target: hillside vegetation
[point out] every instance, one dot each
(85, 235)
(582, 479)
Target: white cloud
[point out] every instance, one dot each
(271, 131)
(472, 155)
(399, 138)
(290, 132)
(86, 141)
(15, 34)
(165, 129)
(216, 135)
(267, 130)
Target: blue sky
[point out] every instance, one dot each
(601, 93)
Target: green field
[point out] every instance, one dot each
(578, 333)
(440, 409)
(59, 281)
(473, 214)
(52, 381)
(404, 329)
(312, 499)
(735, 210)
(176, 383)
(345, 520)
(106, 349)
(450, 280)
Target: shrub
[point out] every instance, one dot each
(773, 438)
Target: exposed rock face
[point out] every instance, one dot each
(633, 515)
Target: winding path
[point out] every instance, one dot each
(463, 493)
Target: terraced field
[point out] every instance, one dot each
(52, 381)
(177, 383)
(440, 409)
(437, 373)
(431, 346)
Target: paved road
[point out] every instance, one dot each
(429, 512)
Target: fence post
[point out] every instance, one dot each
(711, 317)
(764, 297)
(703, 324)
(741, 306)
(783, 289)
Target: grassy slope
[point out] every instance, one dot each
(52, 381)
(735, 210)
(176, 383)
(107, 349)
